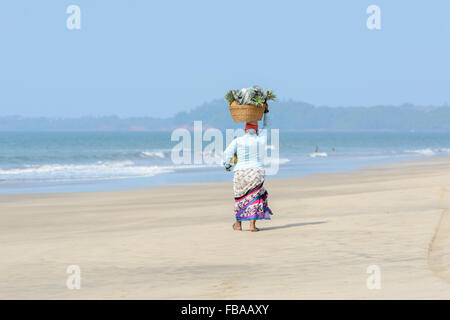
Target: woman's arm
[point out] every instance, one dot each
(228, 154)
(266, 124)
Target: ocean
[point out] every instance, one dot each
(48, 162)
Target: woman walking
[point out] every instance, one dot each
(249, 194)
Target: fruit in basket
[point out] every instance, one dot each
(250, 96)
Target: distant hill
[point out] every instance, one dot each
(289, 115)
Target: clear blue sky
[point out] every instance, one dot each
(154, 58)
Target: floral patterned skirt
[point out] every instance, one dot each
(250, 196)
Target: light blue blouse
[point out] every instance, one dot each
(249, 148)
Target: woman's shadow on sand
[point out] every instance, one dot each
(291, 225)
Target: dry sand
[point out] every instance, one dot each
(177, 242)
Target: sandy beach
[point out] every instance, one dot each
(177, 242)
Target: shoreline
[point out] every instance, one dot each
(177, 242)
(365, 167)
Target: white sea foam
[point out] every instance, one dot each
(317, 154)
(99, 170)
(423, 152)
(153, 154)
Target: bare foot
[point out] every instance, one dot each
(253, 227)
(237, 226)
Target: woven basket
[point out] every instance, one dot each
(246, 113)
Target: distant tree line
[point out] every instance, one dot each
(287, 115)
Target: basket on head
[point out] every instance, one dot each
(246, 112)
